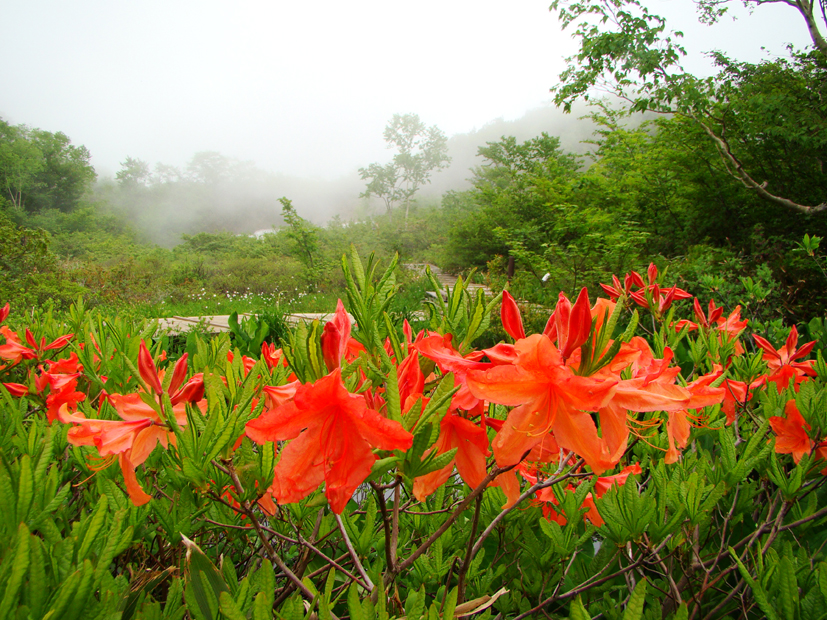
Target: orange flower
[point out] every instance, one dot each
(549, 397)
(336, 341)
(132, 438)
(332, 433)
(510, 316)
(782, 361)
(140, 429)
(791, 432)
(272, 356)
(471, 442)
(14, 351)
(569, 326)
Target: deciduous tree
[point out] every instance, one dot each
(420, 151)
(627, 51)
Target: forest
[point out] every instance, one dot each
(632, 424)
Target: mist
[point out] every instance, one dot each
(216, 193)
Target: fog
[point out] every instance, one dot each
(300, 92)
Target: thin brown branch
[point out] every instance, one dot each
(466, 562)
(271, 552)
(354, 556)
(449, 521)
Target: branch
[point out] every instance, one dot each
(527, 493)
(449, 521)
(353, 554)
(466, 563)
(736, 169)
(271, 552)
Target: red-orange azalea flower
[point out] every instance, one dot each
(511, 318)
(332, 433)
(132, 438)
(471, 442)
(549, 397)
(782, 361)
(791, 432)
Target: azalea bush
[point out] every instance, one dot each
(643, 456)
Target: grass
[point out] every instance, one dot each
(203, 304)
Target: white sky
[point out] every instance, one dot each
(299, 87)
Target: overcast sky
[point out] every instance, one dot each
(298, 87)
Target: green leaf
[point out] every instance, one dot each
(787, 588)
(441, 397)
(78, 603)
(434, 463)
(261, 609)
(204, 579)
(110, 547)
(36, 584)
(19, 566)
(758, 592)
(415, 604)
(96, 522)
(578, 611)
(229, 608)
(450, 604)
(354, 604)
(394, 408)
(358, 269)
(25, 488)
(634, 610)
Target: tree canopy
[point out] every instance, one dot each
(775, 106)
(40, 170)
(420, 151)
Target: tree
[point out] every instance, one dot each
(209, 167)
(421, 150)
(303, 234)
(134, 172)
(66, 174)
(627, 51)
(20, 162)
(41, 170)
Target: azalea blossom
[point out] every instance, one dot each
(471, 441)
(617, 290)
(782, 362)
(331, 433)
(569, 326)
(548, 397)
(336, 342)
(510, 316)
(132, 439)
(141, 428)
(791, 432)
(14, 351)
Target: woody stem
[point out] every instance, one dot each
(268, 548)
(380, 495)
(397, 498)
(466, 563)
(448, 522)
(528, 493)
(353, 553)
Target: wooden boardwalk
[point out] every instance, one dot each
(445, 279)
(220, 323)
